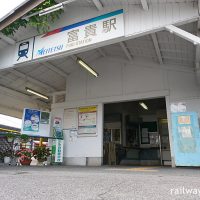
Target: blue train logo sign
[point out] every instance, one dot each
(23, 50)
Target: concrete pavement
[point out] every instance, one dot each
(97, 183)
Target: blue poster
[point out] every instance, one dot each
(31, 120)
(185, 130)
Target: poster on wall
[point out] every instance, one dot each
(31, 120)
(36, 122)
(70, 119)
(178, 107)
(57, 122)
(45, 118)
(87, 120)
(57, 128)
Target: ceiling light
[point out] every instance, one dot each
(143, 105)
(36, 93)
(86, 66)
(51, 9)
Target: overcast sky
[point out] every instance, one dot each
(8, 6)
(10, 121)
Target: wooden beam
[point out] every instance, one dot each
(145, 5)
(126, 51)
(98, 4)
(16, 94)
(157, 48)
(183, 34)
(33, 80)
(197, 53)
(100, 50)
(19, 13)
(55, 69)
(7, 39)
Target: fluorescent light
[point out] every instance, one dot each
(143, 105)
(86, 66)
(51, 9)
(36, 93)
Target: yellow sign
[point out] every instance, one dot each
(87, 109)
(184, 119)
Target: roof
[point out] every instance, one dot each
(8, 9)
(173, 51)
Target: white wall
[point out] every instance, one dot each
(77, 149)
(7, 56)
(120, 81)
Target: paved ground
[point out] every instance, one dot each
(109, 183)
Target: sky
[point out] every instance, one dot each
(10, 121)
(8, 6)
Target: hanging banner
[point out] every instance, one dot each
(57, 150)
(91, 31)
(87, 120)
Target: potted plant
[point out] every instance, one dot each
(10, 137)
(25, 156)
(24, 138)
(7, 156)
(41, 153)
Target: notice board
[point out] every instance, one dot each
(87, 120)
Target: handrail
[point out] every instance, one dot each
(9, 130)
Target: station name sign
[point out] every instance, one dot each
(95, 30)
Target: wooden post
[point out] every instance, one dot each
(41, 140)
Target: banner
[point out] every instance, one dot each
(57, 150)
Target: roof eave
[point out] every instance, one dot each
(21, 11)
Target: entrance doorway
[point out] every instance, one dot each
(136, 133)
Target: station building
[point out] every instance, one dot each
(140, 103)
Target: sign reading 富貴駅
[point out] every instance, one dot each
(95, 30)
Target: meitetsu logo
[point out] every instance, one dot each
(46, 51)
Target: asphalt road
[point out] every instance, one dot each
(90, 183)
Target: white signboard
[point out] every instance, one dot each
(98, 29)
(70, 119)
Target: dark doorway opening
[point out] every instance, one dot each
(136, 133)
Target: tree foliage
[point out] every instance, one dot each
(41, 23)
